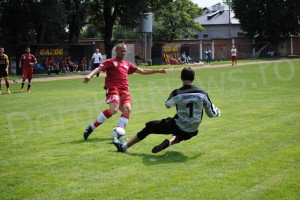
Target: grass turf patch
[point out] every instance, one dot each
(250, 152)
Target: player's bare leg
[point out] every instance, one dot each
(122, 147)
(125, 109)
(29, 85)
(165, 144)
(0, 85)
(103, 116)
(113, 107)
(7, 85)
(23, 83)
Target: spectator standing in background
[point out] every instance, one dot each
(206, 56)
(96, 60)
(83, 64)
(209, 55)
(233, 55)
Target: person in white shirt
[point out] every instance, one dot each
(233, 55)
(96, 60)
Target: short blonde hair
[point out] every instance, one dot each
(121, 45)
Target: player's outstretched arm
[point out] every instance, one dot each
(90, 75)
(211, 110)
(150, 71)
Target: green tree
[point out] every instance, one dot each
(32, 21)
(273, 21)
(122, 32)
(76, 13)
(51, 21)
(109, 13)
(228, 2)
(17, 26)
(90, 31)
(176, 18)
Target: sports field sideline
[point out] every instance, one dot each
(42, 78)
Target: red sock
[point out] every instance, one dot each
(125, 116)
(96, 124)
(107, 113)
(102, 118)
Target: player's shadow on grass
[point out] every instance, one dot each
(14, 92)
(167, 157)
(91, 140)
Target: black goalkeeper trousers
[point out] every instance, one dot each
(165, 126)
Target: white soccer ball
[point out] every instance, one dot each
(118, 133)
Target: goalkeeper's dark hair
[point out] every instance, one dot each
(187, 74)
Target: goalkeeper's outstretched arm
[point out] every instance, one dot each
(210, 109)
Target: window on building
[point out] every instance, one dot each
(240, 34)
(205, 35)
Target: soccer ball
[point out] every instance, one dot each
(118, 133)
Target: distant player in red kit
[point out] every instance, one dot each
(27, 61)
(117, 88)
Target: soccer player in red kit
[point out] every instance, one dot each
(117, 88)
(27, 61)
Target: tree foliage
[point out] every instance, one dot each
(110, 13)
(17, 24)
(60, 21)
(175, 18)
(228, 2)
(273, 21)
(76, 14)
(51, 21)
(41, 21)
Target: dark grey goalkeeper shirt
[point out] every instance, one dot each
(190, 102)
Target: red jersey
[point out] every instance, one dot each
(117, 73)
(26, 59)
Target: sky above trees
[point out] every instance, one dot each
(206, 3)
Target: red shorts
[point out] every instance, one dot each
(233, 58)
(27, 74)
(118, 95)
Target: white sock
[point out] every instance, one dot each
(93, 127)
(101, 118)
(122, 122)
(124, 146)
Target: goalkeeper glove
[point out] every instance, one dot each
(216, 110)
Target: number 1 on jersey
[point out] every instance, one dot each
(191, 109)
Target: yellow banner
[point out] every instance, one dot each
(51, 52)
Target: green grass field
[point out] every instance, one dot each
(251, 152)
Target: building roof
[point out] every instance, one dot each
(216, 15)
